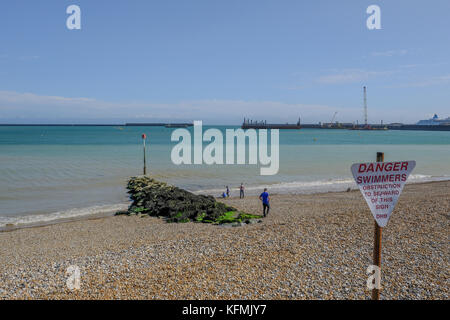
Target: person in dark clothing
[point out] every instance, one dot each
(241, 191)
(264, 197)
(228, 192)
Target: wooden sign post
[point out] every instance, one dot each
(377, 236)
(381, 184)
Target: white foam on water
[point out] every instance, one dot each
(310, 187)
(295, 187)
(46, 218)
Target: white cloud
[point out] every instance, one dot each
(390, 53)
(350, 75)
(29, 106)
(427, 82)
(18, 107)
(439, 80)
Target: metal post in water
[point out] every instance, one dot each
(144, 136)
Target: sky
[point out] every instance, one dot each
(222, 60)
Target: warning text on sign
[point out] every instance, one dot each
(381, 184)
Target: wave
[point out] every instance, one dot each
(318, 186)
(294, 187)
(12, 222)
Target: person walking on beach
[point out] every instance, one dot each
(264, 197)
(241, 191)
(228, 192)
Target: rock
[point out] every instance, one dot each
(226, 225)
(155, 198)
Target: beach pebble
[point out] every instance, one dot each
(309, 247)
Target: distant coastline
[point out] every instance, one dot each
(396, 126)
(413, 127)
(95, 124)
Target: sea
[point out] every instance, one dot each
(54, 173)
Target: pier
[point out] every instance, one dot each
(250, 124)
(167, 125)
(392, 126)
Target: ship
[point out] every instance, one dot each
(435, 121)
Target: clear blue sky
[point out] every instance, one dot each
(221, 60)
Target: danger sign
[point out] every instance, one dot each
(381, 184)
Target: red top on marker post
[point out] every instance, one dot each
(144, 136)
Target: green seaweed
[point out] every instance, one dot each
(247, 216)
(200, 217)
(179, 215)
(139, 210)
(235, 216)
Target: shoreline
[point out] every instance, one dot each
(94, 216)
(309, 247)
(37, 224)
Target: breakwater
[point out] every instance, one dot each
(380, 126)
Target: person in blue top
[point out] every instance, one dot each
(264, 197)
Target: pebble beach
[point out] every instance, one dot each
(310, 247)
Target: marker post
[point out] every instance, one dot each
(144, 136)
(381, 184)
(377, 236)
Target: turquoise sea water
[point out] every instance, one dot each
(48, 172)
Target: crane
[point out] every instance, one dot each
(332, 120)
(365, 107)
